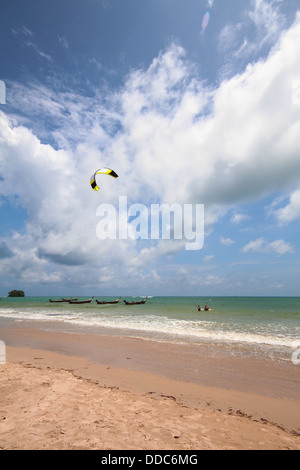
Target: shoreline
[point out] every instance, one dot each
(137, 368)
(54, 401)
(197, 363)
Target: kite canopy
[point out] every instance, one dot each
(102, 171)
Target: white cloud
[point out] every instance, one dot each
(267, 18)
(169, 137)
(215, 145)
(238, 218)
(229, 36)
(227, 241)
(292, 211)
(208, 258)
(155, 275)
(252, 140)
(212, 280)
(259, 27)
(279, 247)
(26, 37)
(23, 32)
(63, 42)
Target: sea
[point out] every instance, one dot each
(258, 326)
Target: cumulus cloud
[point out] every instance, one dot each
(5, 252)
(238, 218)
(253, 139)
(279, 247)
(170, 138)
(290, 212)
(227, 241)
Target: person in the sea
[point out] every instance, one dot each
(199, 308)
(206, 308)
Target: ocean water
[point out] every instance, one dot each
(260, 326)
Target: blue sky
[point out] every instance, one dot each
(183, 115)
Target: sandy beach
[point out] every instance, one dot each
(69, 391)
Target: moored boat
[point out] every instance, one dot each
(81, 301)
(141, 302)
(62, 300)
(110, 302)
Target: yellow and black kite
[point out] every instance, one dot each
(102, 171)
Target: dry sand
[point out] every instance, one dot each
(57, 401)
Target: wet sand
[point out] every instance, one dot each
(71, 391)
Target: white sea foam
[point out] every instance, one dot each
(158, 326)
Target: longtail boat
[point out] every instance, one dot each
(81, 301)
(105, 302)
(141, 302)
(62, 300)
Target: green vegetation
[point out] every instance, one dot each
(16, 293)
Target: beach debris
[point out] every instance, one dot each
(102, 171)
(171, 397)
